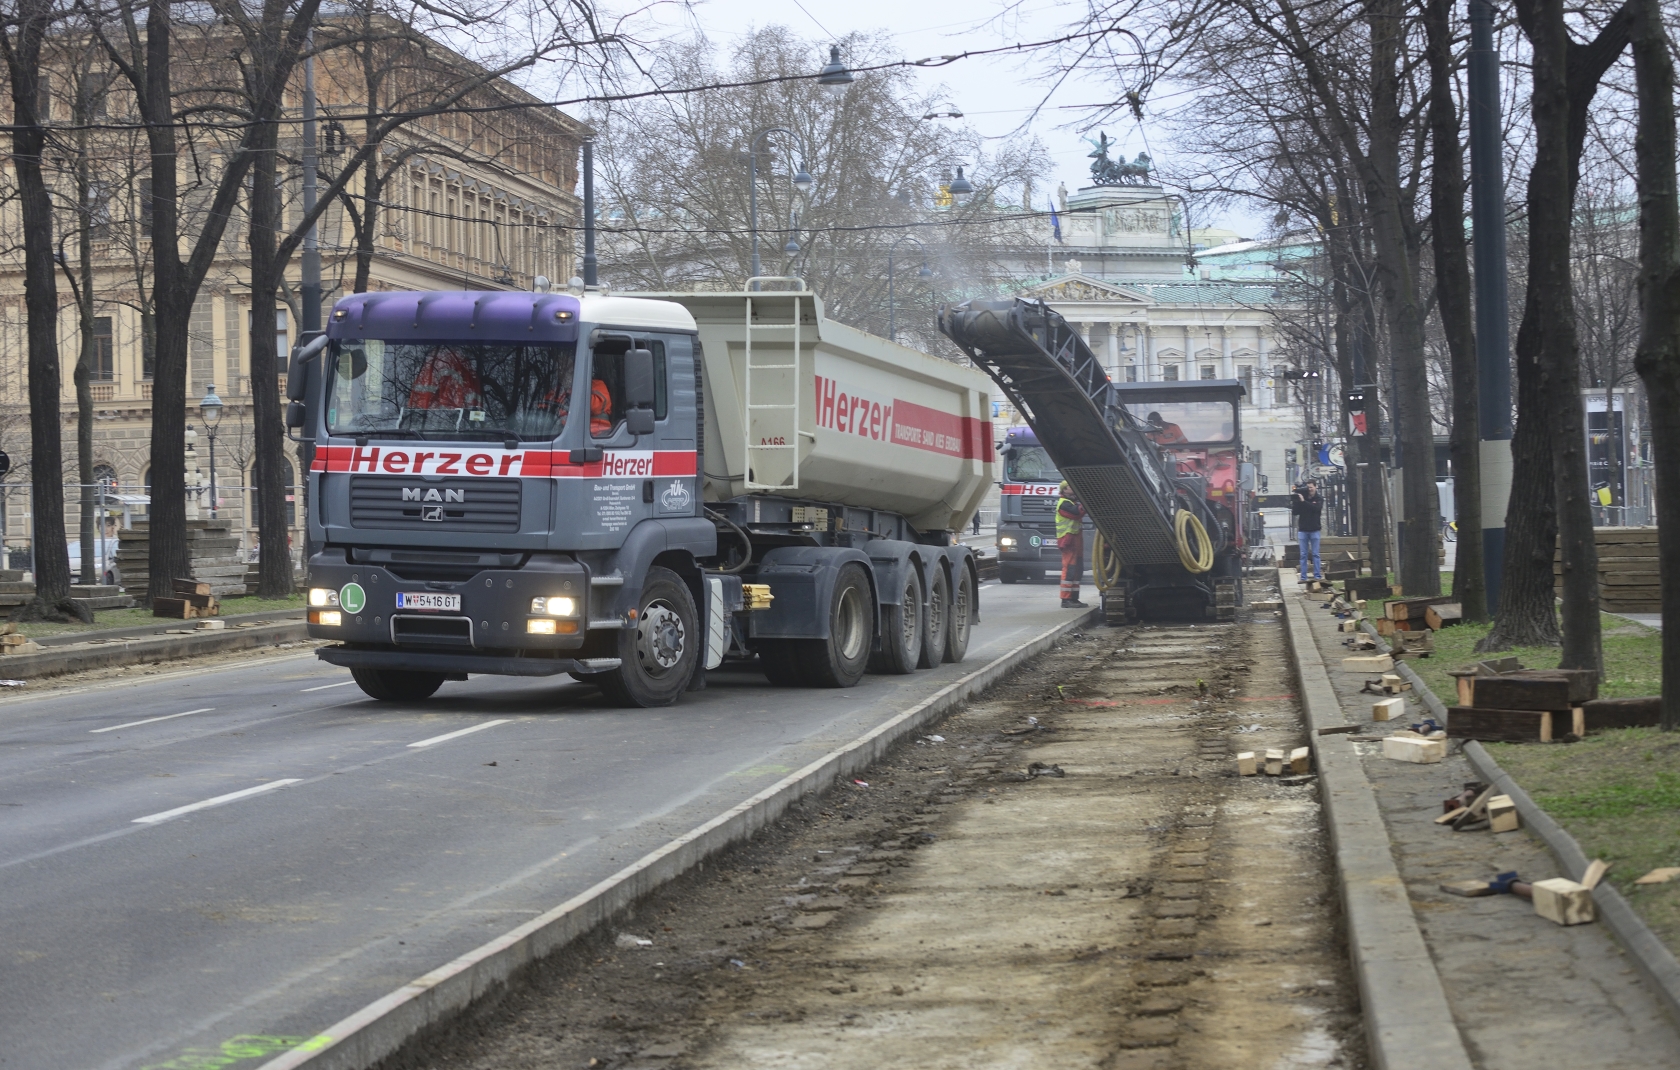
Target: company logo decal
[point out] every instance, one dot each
(676, 498)
(430, 494)
(528, 464)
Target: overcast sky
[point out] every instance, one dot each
(995, 93)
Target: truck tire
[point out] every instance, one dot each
(780, 660)
(658, 656)
(840, 660)
(901, 630)
(388, 686)
(938, 619)
(1008, 575)
(961, 614)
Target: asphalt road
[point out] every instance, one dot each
(257, 851)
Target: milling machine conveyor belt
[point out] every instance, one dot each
(1056, 382)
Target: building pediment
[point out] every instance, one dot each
(1076, 287)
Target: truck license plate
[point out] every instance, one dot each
(428, 600)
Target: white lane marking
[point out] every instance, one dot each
(153, 819)
(323, 687)
(149, 720)
(462, 732)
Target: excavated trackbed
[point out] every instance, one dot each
(1146, 909)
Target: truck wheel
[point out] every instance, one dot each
(901, 630)
(938, 620)
(962, 614)
(839, 660)
(779, 658)
(388, 686)
(658, 657)
(1008, 575)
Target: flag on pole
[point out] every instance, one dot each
(1055, 222)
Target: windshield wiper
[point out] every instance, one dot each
(389, 432)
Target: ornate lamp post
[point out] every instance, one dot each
(210, 407)
(802, 182)
(835, 76)
(892, 310)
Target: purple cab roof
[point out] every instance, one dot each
(457, 316)
(1021, 436)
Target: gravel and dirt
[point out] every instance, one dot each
(1066, 872)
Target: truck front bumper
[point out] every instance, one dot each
(493, 619)
(355, 657)
(1029, 546)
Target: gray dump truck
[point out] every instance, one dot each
(633, 489)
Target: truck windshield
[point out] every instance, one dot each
(450, 390)
(1029, 464)
(1177, 422)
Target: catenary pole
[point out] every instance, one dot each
(589, 266)
(1493, 339)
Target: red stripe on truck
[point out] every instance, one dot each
(439, 460)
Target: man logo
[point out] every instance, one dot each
(430, 494)
(432, 512)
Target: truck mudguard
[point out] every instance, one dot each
(695, 536)
(802, 580)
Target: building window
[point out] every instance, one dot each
(1169, 373)
(1209, 372)
(99, 211)
(104, 368)
(1131, 373)
(280, 343)
(1245, 375)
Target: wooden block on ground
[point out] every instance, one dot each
(1469, 889)
(1660, 876)
(1274, 763)
(28, 646)
(1300, 761)
(1502, 814)
(1596, 869)
(1563, 901)
(189, 586)
(1605, 713)
(1414, 749)
(1466, 690)
(1419, 644)
(1502, 726)
(1452, 815)
(175, 608)
(1348, 626)
(1413, 608)
(1246, 765)
(1583, 683)
(1496, 666)
(1444, 615)
(8, 628)
(1393, 683)
(1368, 663)
(1518, 693)
(1389, 709)
(1385, 627)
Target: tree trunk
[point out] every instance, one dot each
(275, 561)
(1527, 613)
(1658, 358)
(1550, 205)
(1452, 295)
(1396, 270)
(369, 219)
(40, 299)
(92, 543)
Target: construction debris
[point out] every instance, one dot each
(1300, 760)
(1411, 748)
(1444, 615)
(1502, 814)
(1389, 709)
(1368, 663)
(1563, 901)
(1274, 763)
(1246, 765)
(1660, 876)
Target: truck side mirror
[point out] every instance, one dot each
(638, 380)
(303, 375)
(639, 421)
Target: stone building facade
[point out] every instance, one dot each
(474, 199)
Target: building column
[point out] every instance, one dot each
(1227, 369)
(1151, 366)
(1114, 350)
(1262, 372)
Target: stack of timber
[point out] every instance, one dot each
(1521, 705)
(1627, 570)
(13, 590)
(213, 552)
(100, 596)
(11, 642)
(193, 598)
(1409, 614)
(1330, 546)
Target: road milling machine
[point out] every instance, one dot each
(1158, 466)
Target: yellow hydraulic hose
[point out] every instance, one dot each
(1105, 563)
(1203, 561)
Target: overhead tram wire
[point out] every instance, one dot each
(611, 98)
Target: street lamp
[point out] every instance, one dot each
(835, 77)
(892, 310)
(802, 182)
(210, 407)
(961, 189)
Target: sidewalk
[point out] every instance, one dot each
(1523, 992)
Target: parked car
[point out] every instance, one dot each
(107, 564)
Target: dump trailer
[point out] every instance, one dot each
(631, 490)
(1169, 508)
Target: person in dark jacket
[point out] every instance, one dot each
(1308, 507)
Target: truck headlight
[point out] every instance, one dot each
(540, 627)
(556, 606)
(322, 596)
(1005, 540)
(331, 618)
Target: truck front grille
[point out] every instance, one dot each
(1037, 507)
(424, 630)
(472, 505)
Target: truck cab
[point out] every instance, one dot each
(1026, 531)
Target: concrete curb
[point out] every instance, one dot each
(1408, 1022)
(57, 661)
(384, 1026)
(147, 631)
(1656, 962)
